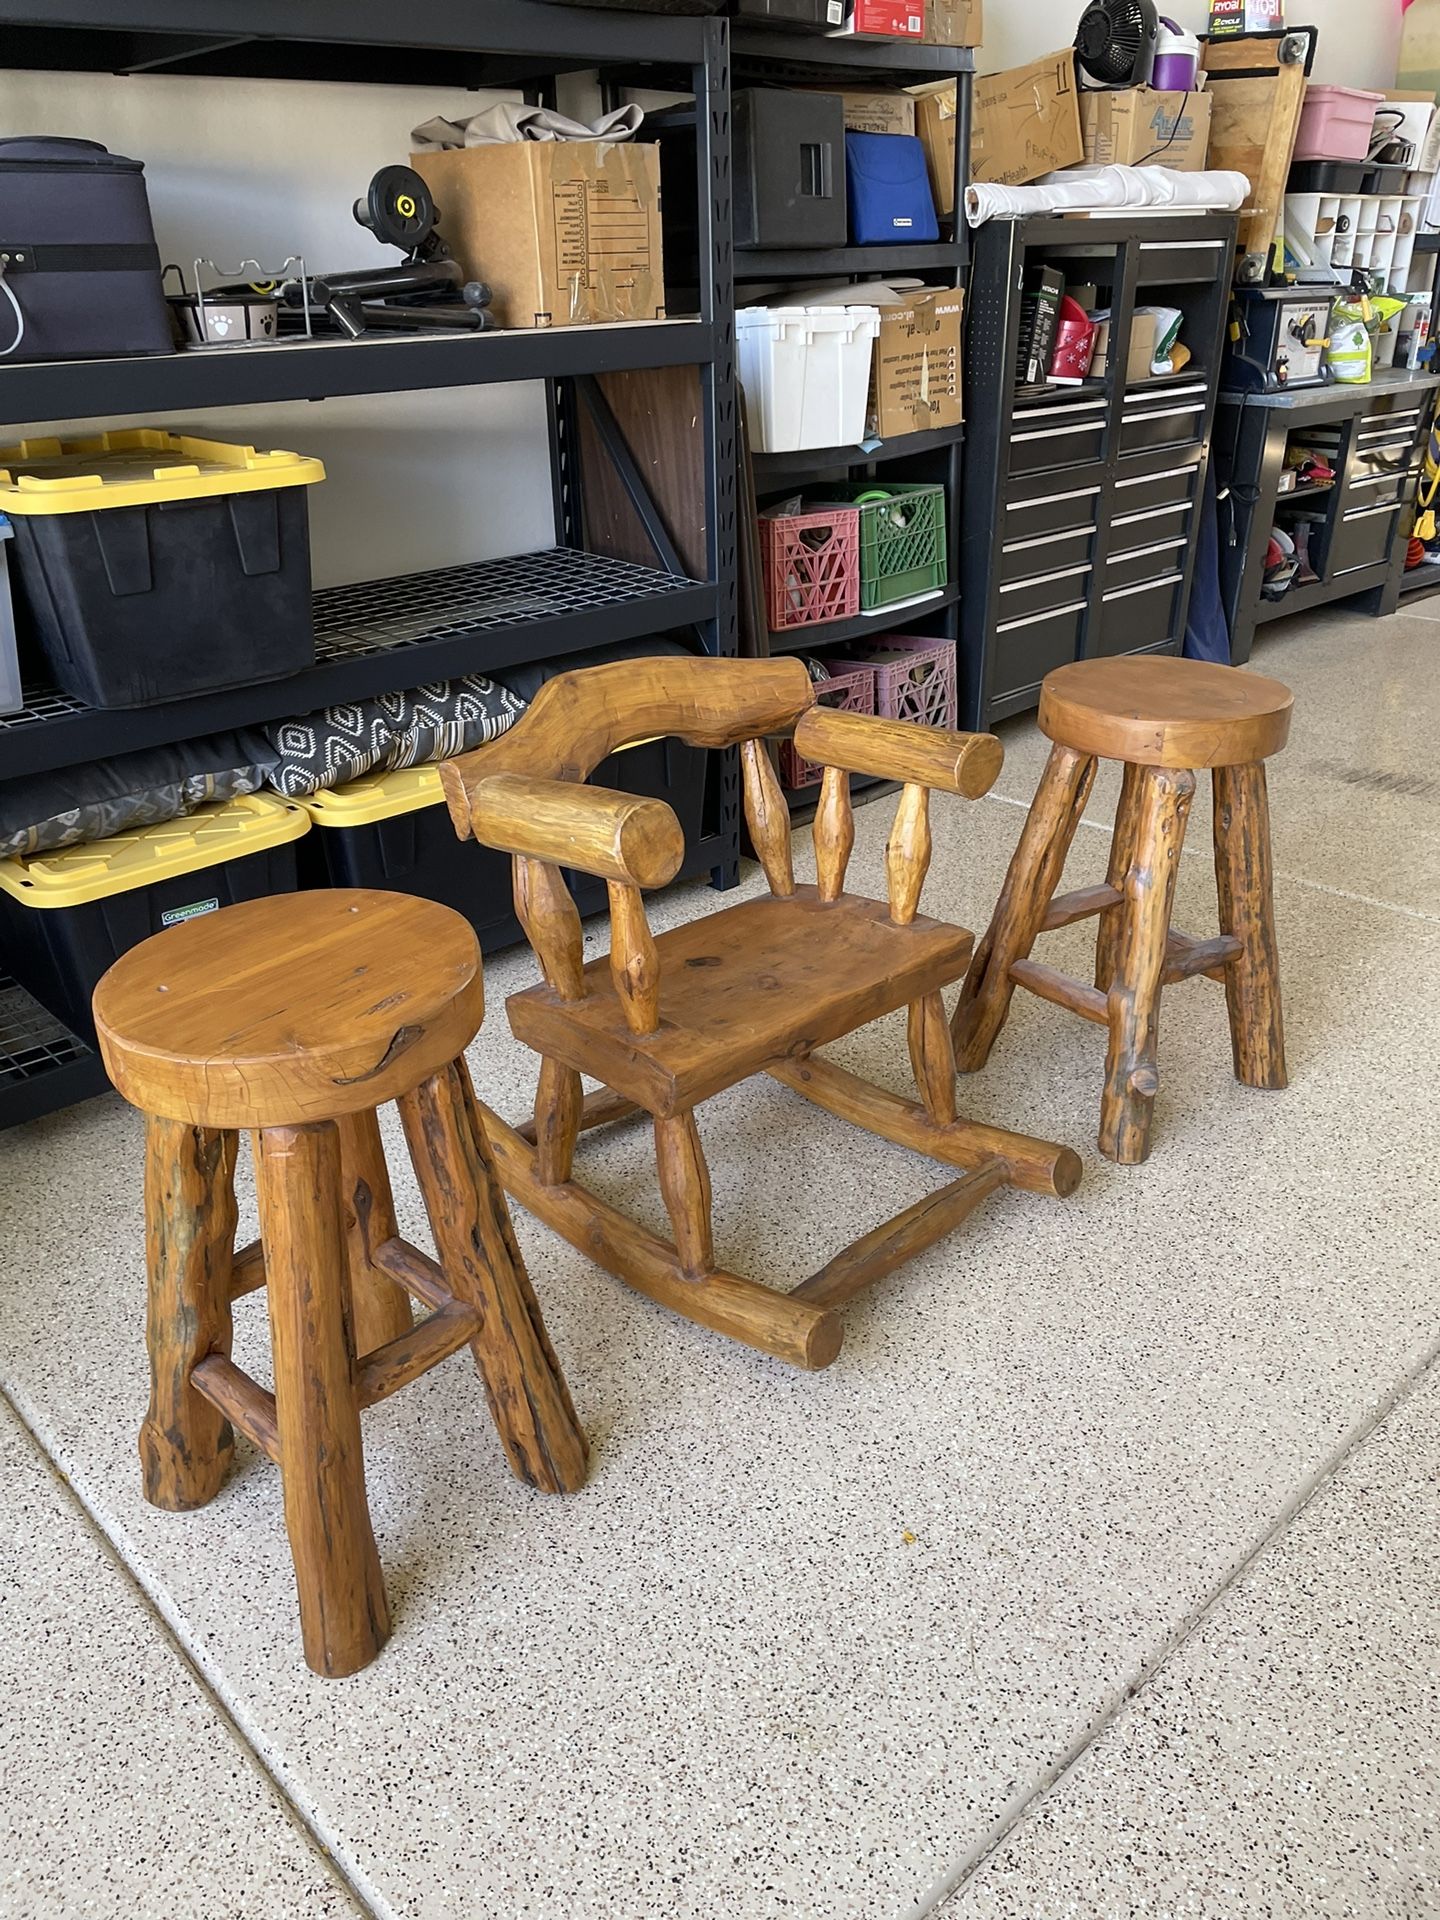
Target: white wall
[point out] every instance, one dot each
(267, 169)
(1359, 39)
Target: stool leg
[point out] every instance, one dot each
(1247, 909)
(380, 1305)
(344, 1617)
(1122, 853)
(1034, 874)
(529, 1400)
(186, 1444)
(1163, 798)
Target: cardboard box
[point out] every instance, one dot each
(1027, 121)
(954, 23)
(875, 109)
(885, 19)
(1245, 16)
(1136, 127)
(1144, 328)
(565, 231)
(1024, 123)
(915, 371)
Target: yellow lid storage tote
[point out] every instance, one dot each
(67, 916)
(150, 566)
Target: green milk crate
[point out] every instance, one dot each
(902, 539)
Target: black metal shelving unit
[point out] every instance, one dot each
(372, 638)
(762, 59)
(1080, 501)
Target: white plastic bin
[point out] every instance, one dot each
(806, 374)
(11, 698)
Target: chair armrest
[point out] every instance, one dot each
(614, 836)
(963, 763)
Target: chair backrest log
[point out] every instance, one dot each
(578, 718)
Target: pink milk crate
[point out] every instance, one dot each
(812, 566)
(918, 686)
(850, 689)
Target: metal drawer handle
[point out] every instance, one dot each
(1170, 393)
(1051, 499)
(1167, 473)
(1368, 513)
(1145, 586)
(1044, 579)
(1137, 553)
(1048, 539)
(1166, 413)
(1046, 413)
(1034, 619)
(1180, 246)
(1052, 433)
(1150, 513)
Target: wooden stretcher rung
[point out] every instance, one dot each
(405, 1358)
(243, 1401)
(1058, 987)
(1081, 904)
(1185, 957)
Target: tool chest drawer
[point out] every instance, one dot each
(1049, 512)
(1171, 261)
(1142, 616)
(1061, 436)
(1174, 418)
(1026, 649)
(1131, 530)
(1045, 553)
(1382, 449)
(1166, 488)
(1376, 489)
(1154, 561)
(1362, 538)
(1044, 592)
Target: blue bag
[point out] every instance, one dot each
(889, 189)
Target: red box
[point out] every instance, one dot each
(888, 19)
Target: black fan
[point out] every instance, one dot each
(1115, 42)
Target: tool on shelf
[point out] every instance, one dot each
(427, 289)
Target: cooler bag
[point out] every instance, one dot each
(81, 268)
(889, 189)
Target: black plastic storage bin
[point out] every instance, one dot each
(151, 566)
(789, 168)
(393, 831)
(66, 917)
(81, 266)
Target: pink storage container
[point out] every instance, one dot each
(850, 689)
(1336, 123)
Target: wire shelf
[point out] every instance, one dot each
(32, 1041)
(411, 610)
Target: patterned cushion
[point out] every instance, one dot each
(91, 802)
(337, 744)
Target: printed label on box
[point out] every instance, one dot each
(172, 916)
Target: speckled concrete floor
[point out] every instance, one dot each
(1097, 1577)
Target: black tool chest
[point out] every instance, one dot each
(1080, 500)
(1372, 436)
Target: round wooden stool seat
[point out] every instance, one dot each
(298, 1008)
(1163, 712)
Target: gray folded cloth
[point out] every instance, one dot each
(512, 121)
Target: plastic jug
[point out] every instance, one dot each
(1177, 60)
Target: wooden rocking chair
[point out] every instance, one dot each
(755, 988)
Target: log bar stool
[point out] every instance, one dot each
(1163, 718)
(293, 1018)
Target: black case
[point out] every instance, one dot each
(789, 168)
(79, 254)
